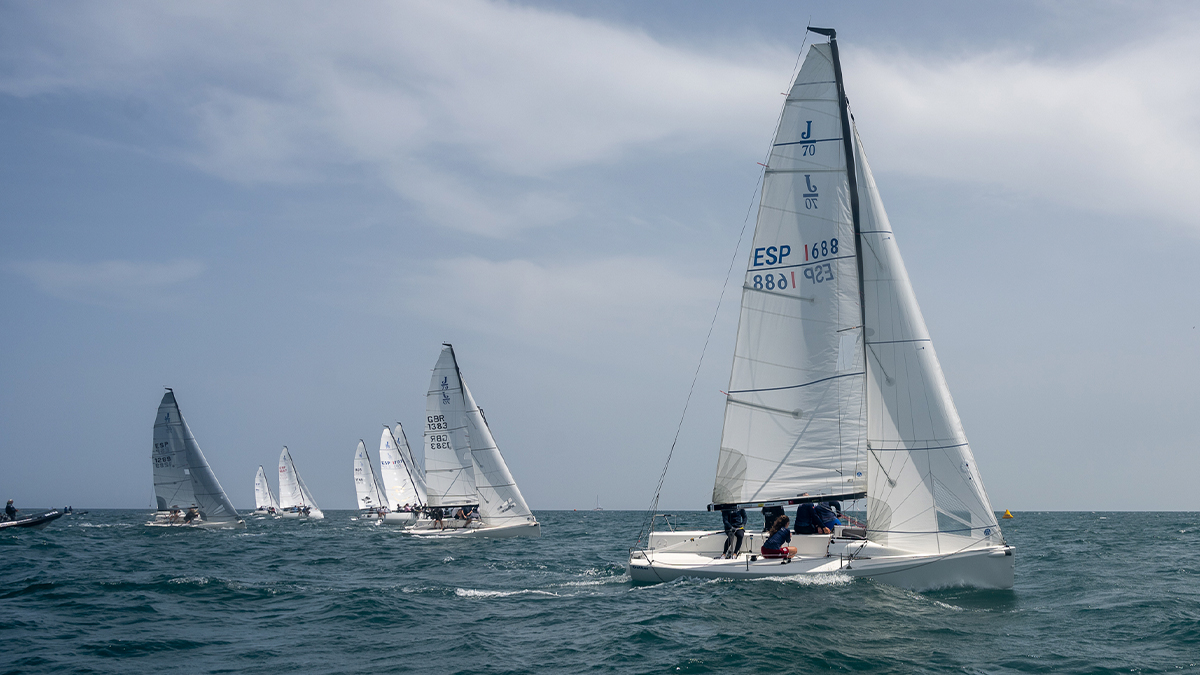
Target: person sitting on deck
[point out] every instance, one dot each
(808, 522)
(828, 513)
(436, 517)
(734, 521)
(775, 545)
(770, 515)
(461, 514)
(192, 514)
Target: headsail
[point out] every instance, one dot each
(366, 485)
(925, 493)
(501, 502)
(292, 490)
(397, 471)
(449, 472)
(263, 498)
(794, 413)
(182, 477)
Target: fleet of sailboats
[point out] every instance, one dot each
(836, 392)
(835, 395)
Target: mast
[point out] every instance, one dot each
(851, 176)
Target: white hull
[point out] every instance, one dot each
(697, 554)
(425, 530)
(315, 515)
(164, 521)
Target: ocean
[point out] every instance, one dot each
(101, 593)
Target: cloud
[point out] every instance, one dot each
(472, 98)
(603, 305)
(1114, 134)
(112, 283)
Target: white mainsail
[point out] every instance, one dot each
(292, 490)
(263, 499)
(794, 414)
(500, 499)
(449, 471)
(397, 471)
(182, 477)
(366, 485)
(811, 407)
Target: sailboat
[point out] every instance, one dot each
(367, 488)
(464, 471)
(186, 490)
(403, 481)
(836, 393)
(295, 501)
(264, 501)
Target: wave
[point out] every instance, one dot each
(475, 593)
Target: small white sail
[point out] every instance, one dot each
(397, 473)
(263, 499)
(370, 493)
(500, 499)
(293, 493)
(449, 472)
(182, 477)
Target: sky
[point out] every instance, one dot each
(282, 210)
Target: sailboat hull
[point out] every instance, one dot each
(315, 515)
(697, 554)
(163, 520)
(425, 531)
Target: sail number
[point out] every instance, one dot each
(162, 462)
(435, 423)
(439, 442)
(821, 249)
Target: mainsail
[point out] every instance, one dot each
(292, 490)
(449, 471)
(794, 413)
(835, 388)
(263, 499)
(401, 483)
(366, 485)
(182, 477)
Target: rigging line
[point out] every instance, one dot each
(648, 525)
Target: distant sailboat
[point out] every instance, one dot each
(370, 493)
(836, 393)
(264, 500)
(185, 488)
(295, 501)
(403, 482)
(463, 467)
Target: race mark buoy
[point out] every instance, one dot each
(1007, 514)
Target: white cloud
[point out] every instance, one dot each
(1116, 134)
(606, 305)
(112, 283)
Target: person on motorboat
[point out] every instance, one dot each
(770, 515)
(776, 545)
(734, 521)
(10, 511)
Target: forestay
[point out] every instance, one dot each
(366, 486)
(925, 493)
(182, 477)
(794, 413)
(400, 481)
(449, 472)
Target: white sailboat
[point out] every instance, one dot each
(367, 488)
(185, 488)
(836, 392)
(463, 467)
(264, 500)
(403, 481)
(295, 501)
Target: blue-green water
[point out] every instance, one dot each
(100, 593)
